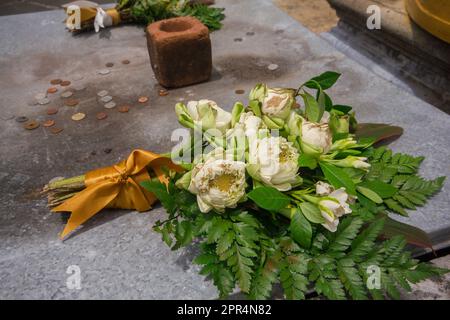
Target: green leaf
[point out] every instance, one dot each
(378, 131)
(337, 177)
(384, 190)
(160, 191)
(313, 110)
(347, 231)
(307, 161)
(269, 198)
(311, 212)
(370, 194)
(326, 80)
(342, 108)
(300, 228)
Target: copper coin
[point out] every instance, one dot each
(143, 99)
(30, 125)
(65, 83)
(71, 102)
(123, 109)
(22, 119)
(55, 81)
(51, 111)
(52, 90)
(163, 92)
(48, 123)
(55, 130)
(126, 61)
(101, 116)
(109, 65)
(239, 91)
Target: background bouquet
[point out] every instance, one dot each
(279, 193)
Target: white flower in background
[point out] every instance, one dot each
(333, 205)
(248, 125)
(218, 183)
(275, 102)
(274, 162)
(205, 113)
(315, 137)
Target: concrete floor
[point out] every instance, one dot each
(118, 254)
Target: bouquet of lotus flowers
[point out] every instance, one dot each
(276, 192)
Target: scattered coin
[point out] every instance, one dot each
(22, 119)
(180, 99)
(110, 105)
(107, 150)
(51, 111)
(102, 93)
(101, 116)
(71, 102)
(124, 109)
(79, 87)
(66, 94)
(109, 65)
(65, 83)
(55, 82)
(250, 33)
(126, 61)
(106, 99)
(163, 92)
(238, 39)
(49, 123)
(104, 72)
(78, 116)
(143, 99)
(272, 67)
(30, 125)
(40, 96)
(55, 130)
(44, 101)
(52, 90)
(239, 91)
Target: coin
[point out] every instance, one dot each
(272, 67)
(239, 91)
(66, 94)
(79, 87)
(106, 99)
(101, 116)
(48, 123)
(163, 92)
(78, 116)
(55, 82)
(124, 109)
(52, 90)
(104, 72)
(143, 99)
(71, 102)
(44, 101)
(126, 61)
(40, 96)
(30, 125)
(109, 64)
(21, 119)
(55, 130)
(51, 111)
(110, 105)
(102, 93)
(65, 83)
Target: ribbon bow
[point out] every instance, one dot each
(117, 186)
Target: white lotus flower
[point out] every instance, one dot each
(315, 138)
(218, 183)
(205, 113)
(276, 102)
(333, 205)
(273, 161)
(248, 125)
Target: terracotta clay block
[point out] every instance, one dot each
(180, 51)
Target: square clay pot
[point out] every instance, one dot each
(180, 51)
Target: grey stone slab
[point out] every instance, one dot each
(119, 255)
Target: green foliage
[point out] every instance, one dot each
(148, 11)
(269, 198)
(338, 177)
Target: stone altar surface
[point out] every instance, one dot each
(118, 254)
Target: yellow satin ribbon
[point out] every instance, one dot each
(117, 186)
